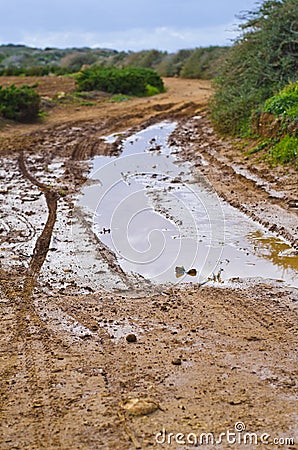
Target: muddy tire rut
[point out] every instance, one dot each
(269, 200)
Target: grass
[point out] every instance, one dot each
(285, 103)
(76, 98)
(263, 145)
(285, 151)
(117, 98)
(278, 150)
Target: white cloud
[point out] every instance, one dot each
(163, 38)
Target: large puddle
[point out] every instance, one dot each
(161, 222)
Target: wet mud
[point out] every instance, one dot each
(154, 215)
(96, 356)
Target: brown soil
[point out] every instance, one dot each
(198, 360)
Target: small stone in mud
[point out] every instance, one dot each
(85, 336)
(131, 338)
(177, 362)
(139, 406)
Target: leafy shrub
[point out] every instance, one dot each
(285, 102)
(19, 103)
(151, 90)
(282, 150)
(261, 61)
(278, 115)
(280, 125)
(285, 151)
(128, 81)
(172, 64)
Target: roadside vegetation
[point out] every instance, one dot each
(256, 89)
(277, 124)
(19, 103)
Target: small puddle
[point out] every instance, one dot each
(155, 216)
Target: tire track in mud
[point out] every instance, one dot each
(43, 241)
(115, 368)
(27, 372)
(201, 146)
(34, 343)
(46, 378)
(227, 324)
(37, 352)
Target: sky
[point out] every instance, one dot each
(121, 24)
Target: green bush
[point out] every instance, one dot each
(283, 114)
(151, 90)
(19, 103)
(262, 61)
(128, 81)
(282, 146)
(285, 151)
(284, 103)
(172, 64)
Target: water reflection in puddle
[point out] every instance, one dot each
(151, 212)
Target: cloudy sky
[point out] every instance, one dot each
(120, 24)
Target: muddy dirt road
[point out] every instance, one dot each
(96, 357)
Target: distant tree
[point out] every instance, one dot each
(172, 65)
(75, 62)
(203, 62)
(148, 59)
(152, 58)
